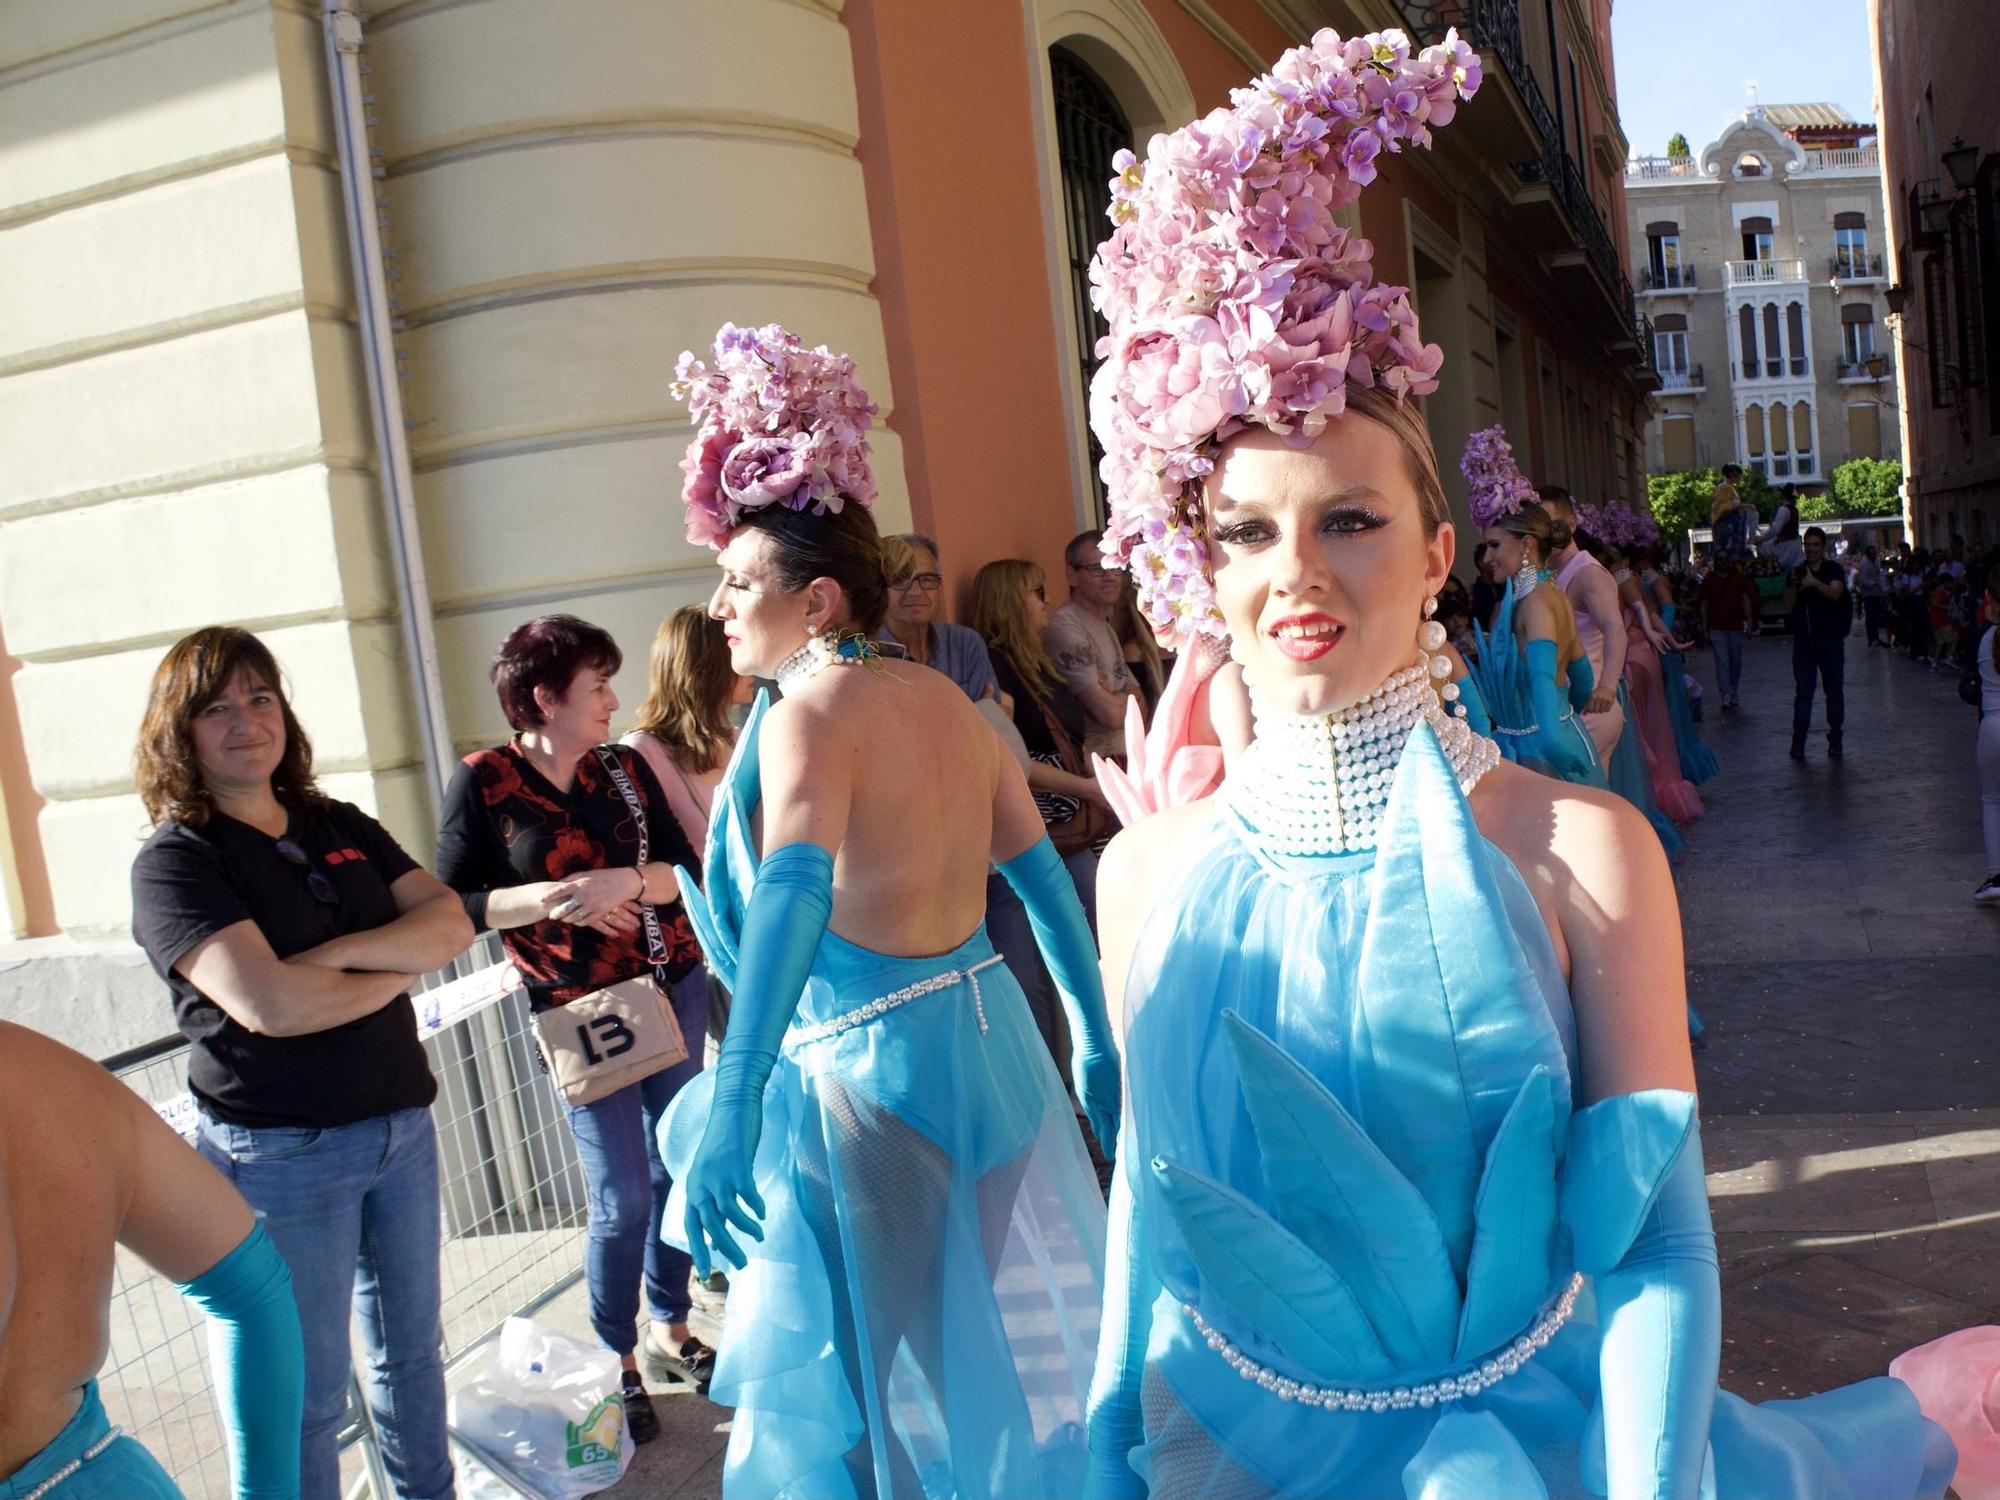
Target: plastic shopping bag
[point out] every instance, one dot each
(548, 1410)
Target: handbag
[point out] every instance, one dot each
(600, 1042)
(1089, 823)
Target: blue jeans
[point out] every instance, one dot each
(1013, 938)
(354, 1212)
(1728, 648)
(1824, 659)
(629, 1184)
(110, 1468)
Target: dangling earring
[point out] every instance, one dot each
(1430, 641)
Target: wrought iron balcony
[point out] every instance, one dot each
(1680, 278)
(1687, 381)
(1854, 266)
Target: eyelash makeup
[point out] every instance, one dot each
(1347, 520)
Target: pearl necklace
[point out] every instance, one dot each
(1319, 783)
(1528, 578)
(822, 651)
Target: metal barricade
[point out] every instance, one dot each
(511, 1192)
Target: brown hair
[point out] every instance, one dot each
(1001, 618)
(845, 547)
(689, 683)
(899, 561)
(1420, 460)
(1562, 530)
(547, 653)
(1533, 522)
(1132, 628)
(193, 674)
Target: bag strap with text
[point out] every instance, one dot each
(656, 946)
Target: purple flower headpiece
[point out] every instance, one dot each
(775, 423)
(1617, 522)
(1234, 298)
(1499, 488)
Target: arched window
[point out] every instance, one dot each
(1090, 130)
(1774, 356)
(1746, 328)
(1795, 336)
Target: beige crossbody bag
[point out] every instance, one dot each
(600, 1042)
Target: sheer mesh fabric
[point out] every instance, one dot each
(1185, 1461)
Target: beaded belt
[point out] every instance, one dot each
(861, 1015)
(1517, 733)
(1486, 1374)
(48, 1485)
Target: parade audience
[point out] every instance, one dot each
(1821, 615)
(1486, 590)
(539, 838)
(1986, 672)
(1138, 645)
(289, 928)
(1728, 613)
(1870, 586)
(910, 563)
(1081, 641)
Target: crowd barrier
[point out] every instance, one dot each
(513, 1201)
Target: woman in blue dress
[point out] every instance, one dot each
(885, 1149)
(1409, 1202)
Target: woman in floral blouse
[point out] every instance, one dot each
(541, 845)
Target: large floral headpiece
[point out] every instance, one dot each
(1499, 488)
(1235, 299)
(776, 423)
(1616, 522)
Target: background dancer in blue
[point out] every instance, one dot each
(884, 1145)
(1410, 1204)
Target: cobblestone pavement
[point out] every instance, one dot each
(1851, 1109)
(1852, 1115)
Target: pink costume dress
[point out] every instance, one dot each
(1676, 795)
(1604, 728)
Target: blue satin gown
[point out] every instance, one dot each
(1345, 1161)
(920, 1319)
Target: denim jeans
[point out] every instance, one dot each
(1728, 648)
(354, 1212)
(628, 1185)
(108, 1467)
(1013, 938)
(1824, 658)
(1872, 610)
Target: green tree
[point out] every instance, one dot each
(1868, 487)
(1677, 148)
(1680, 501)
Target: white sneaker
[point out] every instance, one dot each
(1989, 893)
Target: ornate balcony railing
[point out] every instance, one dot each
(1690, 379)
(1844, 159)
(1680, 278)
(1871, 367)
(1854, 266)
(1762, 272)
(1662, 169)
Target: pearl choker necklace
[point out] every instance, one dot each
(1319, 784)
(1528, 578)
(822, 651)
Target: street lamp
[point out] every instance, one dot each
(1962, 162)
(1936, 214)
(1898, 297)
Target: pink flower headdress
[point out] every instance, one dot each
(1499, 488)
(776, 423)
(1616, 522)
(1234, 298)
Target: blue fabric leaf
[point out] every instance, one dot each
(729, 855)
(1470, 1455)
(1269, 1281)
(1515, 1223)
(1346, 1200)
(1620, 1150)
(1502, 677)
(1449, 1010)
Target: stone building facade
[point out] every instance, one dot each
(1760, 261)
(567, 196)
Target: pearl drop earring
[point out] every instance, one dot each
(1430, 641)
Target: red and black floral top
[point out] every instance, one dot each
(505, 824)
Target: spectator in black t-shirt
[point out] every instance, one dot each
(539, 839)
(1010, 610)
(289, 928)
(1485, 593)
(1821, 615)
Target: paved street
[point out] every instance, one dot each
(1852, 1109)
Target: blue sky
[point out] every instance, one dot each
(1686, 64)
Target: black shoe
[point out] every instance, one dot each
(1833, 749)
(693, 1365)
(640, 1418)
(1988, 894)
(1798, 750)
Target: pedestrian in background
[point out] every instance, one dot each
(1986, 663)
(1486, 591)
(1139, 646)
(540, 838)
(1821, 615)
(685, 728)
(1085, 648)
(1728, 611)
(910, 563)
(289, 928)
(1872, 589)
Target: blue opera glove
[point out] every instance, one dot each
(787, 916)
(1560, 749)
(259, 1362)
(1113, 1418)
(1062, 932)
(1634, 1196)
(1582, 683)
(1476, 717)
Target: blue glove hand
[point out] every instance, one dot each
(1552, 740)
(789, 909)
(1582, 683)
(259, 1359)
(1062, 932)
(1113, 1418)
(1476, 718)
(1660, 1305)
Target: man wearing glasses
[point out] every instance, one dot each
(915, 587)
(1081, 640)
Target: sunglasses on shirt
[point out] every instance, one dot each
(316, 881)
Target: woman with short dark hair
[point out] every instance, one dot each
(290, 927)
(540, 839)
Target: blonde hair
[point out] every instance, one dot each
(689, 683)
(1000, 615)
(1420, 461)
(899, 561)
